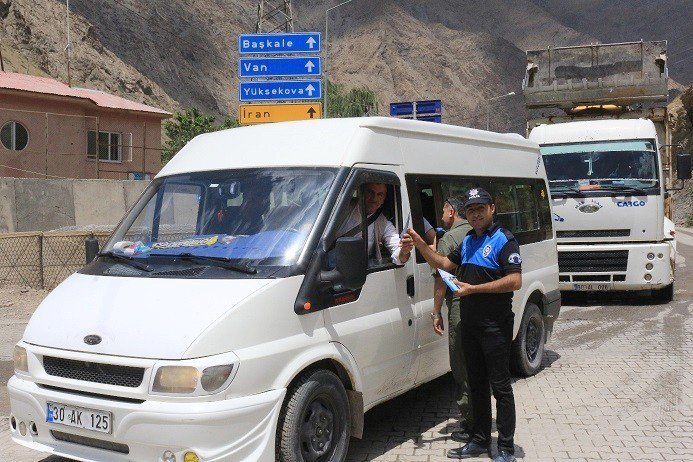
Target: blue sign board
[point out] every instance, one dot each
(280, 67)
(431, 118)
(280, 90)
(429, 107)
(401, 109)
(290, 42)
(428, 110)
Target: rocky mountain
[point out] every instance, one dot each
(181, 53)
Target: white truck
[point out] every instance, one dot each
(605, 139)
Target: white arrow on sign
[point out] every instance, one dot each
(310, 89)
(310, 42)
(310, 66)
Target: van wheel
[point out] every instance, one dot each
(528, 347)
(314, 424)
(664, 295)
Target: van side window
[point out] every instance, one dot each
(545, 216)
(516, 205)
(382, 227)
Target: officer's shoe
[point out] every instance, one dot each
(470, 449)
(504, 456)
(461, 436)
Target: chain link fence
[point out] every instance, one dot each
(43, 260)
(20, 259)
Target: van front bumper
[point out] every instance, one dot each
(237, 429)
(615, 266)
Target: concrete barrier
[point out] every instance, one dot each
(44, 204)
(8, 217)
(29, 204)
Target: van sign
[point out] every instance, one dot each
(630, 203)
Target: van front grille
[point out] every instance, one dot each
(122, 376)
(91, 442)
(592, 262)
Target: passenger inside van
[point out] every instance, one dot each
(383, 238)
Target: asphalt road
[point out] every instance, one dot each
(617, 384)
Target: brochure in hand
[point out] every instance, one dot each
(448, 278)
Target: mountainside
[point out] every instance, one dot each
(181, 53)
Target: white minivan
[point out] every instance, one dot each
(225, 319)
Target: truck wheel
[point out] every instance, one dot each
(664, 295)
(528, 347)
(314, 424)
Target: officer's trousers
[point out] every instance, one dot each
(458, 365)
(486, 344)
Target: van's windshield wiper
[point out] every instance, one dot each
(565, 191)
(125, 259)
(221, 262)
(617, 187)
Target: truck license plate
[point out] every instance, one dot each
(592, 286)
(89, 419)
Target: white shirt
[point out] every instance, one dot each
(386, 230)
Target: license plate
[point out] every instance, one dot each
(89, 419)
(592, 286)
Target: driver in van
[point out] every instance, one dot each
(380, 229)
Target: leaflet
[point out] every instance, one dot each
(448, 279)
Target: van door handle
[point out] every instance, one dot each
(410, 285)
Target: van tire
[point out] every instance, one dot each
(315, 412)
(528, 348)
(665, 294)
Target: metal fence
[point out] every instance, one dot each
(42, 260)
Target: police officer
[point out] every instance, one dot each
(490, 270)
(456, 229)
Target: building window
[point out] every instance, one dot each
(14, 136)
(109, 146)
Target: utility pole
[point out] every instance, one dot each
(2, 63)
(324, 67)
(274, 16)
(68, 48)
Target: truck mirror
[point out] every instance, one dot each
(683, 166)
(351, 263)
(91, 248)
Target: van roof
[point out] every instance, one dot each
(593, 130)
(318, 143)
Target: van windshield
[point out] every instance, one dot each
(602, 166)
(252, 216)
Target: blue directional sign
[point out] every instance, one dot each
(280, 90)
(290, 42)
(429, 107)
(401, 109)
(280, 67)
(416, 107)
(431, 118)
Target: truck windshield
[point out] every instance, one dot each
(234, 219)
(617, 165)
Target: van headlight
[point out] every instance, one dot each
(21, 363)
(197, 377)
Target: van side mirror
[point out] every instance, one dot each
(351, 264)
(683, 166)
(91, 248)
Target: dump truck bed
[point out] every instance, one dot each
(615, 73)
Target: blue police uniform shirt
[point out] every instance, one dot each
(483, 259)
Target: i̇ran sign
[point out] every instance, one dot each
(249, 114)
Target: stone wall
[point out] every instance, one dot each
(43, 205)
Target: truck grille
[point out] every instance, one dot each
(595, 233)
(592, 262)
(122, 376)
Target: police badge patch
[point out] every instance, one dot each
(515, 259)
(487, 251)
